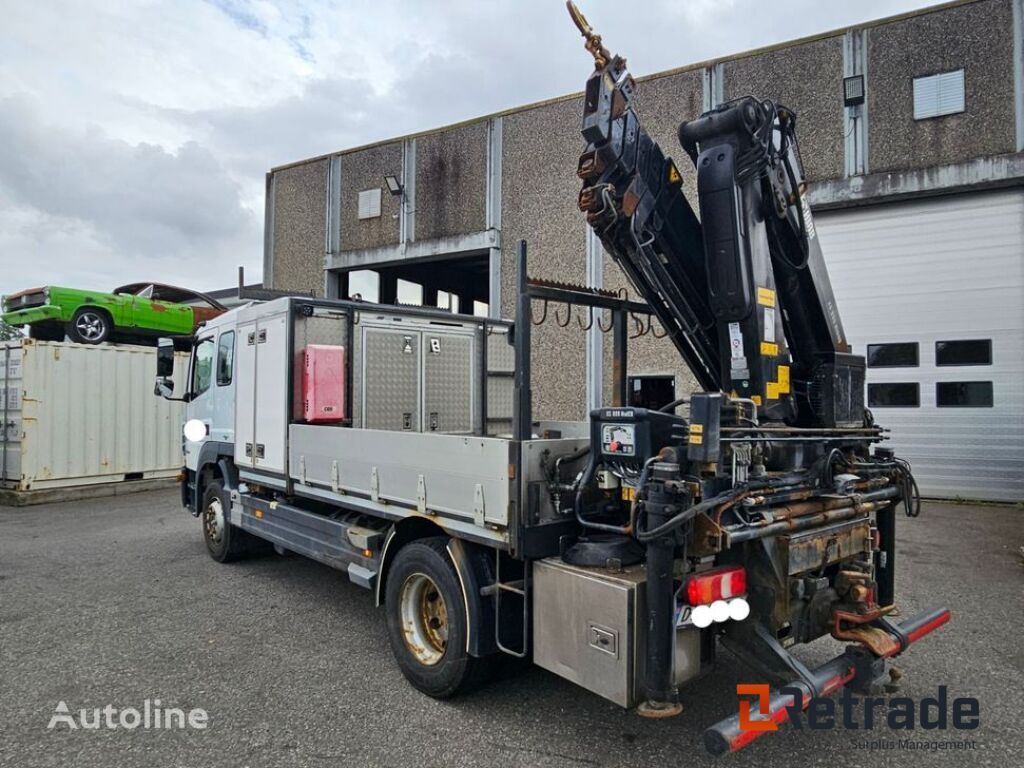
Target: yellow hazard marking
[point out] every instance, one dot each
(766, 296)
(756, 399)
(258, 513)
(696, 429)
(780, 387)
(674, 177)
(628, 493)
(767, 348)
(696, 439)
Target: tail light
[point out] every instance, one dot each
(716, 584)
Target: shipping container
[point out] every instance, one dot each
(78, 415)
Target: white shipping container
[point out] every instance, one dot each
(76, 415)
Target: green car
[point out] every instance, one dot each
(139, 312)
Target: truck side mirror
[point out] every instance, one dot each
(164, 388)
(164, 358)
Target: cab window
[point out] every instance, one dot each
(202, 366)
(225, 358)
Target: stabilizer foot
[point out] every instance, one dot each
(658, 710)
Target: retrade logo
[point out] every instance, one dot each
(846, 711)
(763, 693)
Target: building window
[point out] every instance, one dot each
(894, 395)
(369, 203)
(963, 394)
(964, 352)
(225, 358)
(651, 392)
(902, 355)
(941, 94)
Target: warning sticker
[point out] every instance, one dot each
(769, 324)
(674, 177)
(766, 296)
(735, 341)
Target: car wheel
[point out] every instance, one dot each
(426, 617)
(90, 326)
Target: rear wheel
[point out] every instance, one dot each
(90, 326)
(427, 627)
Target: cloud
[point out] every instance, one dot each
(70, 194)
(135, 136)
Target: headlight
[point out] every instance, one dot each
(46, 295)
(3, 303)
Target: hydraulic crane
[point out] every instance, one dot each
(772, 470)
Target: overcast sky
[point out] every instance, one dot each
(135, 135)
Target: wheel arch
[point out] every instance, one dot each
(214, 462)
(473, 568)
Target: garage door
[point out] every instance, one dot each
(932, 291)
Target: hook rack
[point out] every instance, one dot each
(543, 317)
(590, 324)
(568, 317)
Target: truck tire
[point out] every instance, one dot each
(224, 542)
(90, 325)
(426, 616)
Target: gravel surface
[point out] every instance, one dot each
(113, 601)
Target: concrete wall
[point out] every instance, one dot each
(300, 195)
(539, 190)
(363, 170)
(977, 37)
(809, 80)
(541, 145)
(451, 182)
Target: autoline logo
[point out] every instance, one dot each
(152, 715)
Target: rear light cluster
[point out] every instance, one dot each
(718, 595)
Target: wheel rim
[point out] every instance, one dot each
(213, 521)
(424, 619)
(90, 326)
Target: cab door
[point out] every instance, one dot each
(201, 392)
(151, 313)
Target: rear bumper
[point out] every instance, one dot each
(854, 667)
(32, 315)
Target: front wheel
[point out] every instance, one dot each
(90, 326)
(427, 627)
(224, 541)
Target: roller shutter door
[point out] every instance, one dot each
(931, 273)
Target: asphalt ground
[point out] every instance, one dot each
(113, 601)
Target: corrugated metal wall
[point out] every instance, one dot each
(80, 415)
(937, 270)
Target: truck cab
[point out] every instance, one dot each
(209, 396)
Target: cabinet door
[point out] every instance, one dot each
(391, 387)
(448, 379)
(272, 402)
(245, 394)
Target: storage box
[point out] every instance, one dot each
(323, 384)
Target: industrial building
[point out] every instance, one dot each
(912, 134)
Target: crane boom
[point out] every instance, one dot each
(743, 293)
